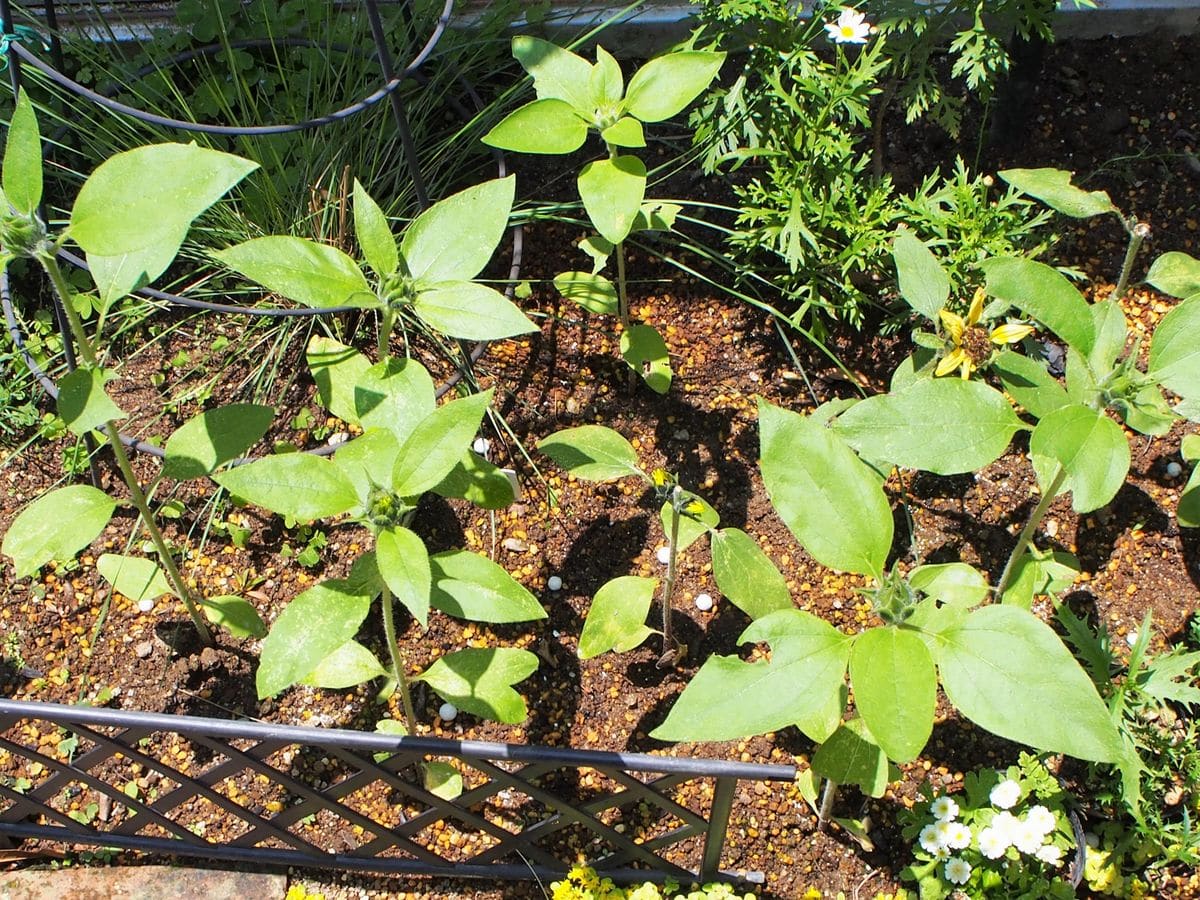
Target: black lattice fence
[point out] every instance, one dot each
(286, 795)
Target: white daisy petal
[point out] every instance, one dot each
(957, 870)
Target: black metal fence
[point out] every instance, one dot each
(252, 792)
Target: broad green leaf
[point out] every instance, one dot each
(394, 395)
(133, 577)
(469, 586)
(336, 369)
(692, 525)
(625, 132)
(593, 453)
(475, 479)
(470, 311)
(606, 85)
(1043, 293)
(403, 564)
(557, 73)
(729, 698)
(1111, 330)
(455, 238)
(374, 234)
(57, 525)
(851, 756)
(442, 780)
(1053, 187)
(437, 443)
(1189, 448)
(145, 200)
(924, 285)
(941, 425)
(297, 485)
(644, 349)
(367, 461)
(612, 192)
(665, 86)
(543, 126)
(22, 172)
(1175, 351)
(1188, 511)
(1040, 572)
(311, 274)
(594, 293)
(617, 617)
(348, 665)
(480, 681)
(213, 438)
(118, 276)
(1029, 383)
(310, 628)
(746, 576)
(1175, 273)
(1082, 386)
(656, 215)
(1008, 672)
(1090, 446)
(956, 583)
(916, 366)
(83, 403)
(827, 497)
(1147, 411)
(895, 689)
(235, 615)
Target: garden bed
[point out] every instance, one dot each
(1121, 114)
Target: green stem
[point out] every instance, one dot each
(828, 795)
(136, 495)
(383, 340)
(1035, 519)
(670, 649)
(1137, 233)
(389, 632)
(622, 293)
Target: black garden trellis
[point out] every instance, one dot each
(525, 811)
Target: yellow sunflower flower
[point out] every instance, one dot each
(973, 344)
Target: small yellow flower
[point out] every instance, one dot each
(973, 344)
(660, 477)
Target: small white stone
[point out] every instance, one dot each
(481, 446)
(554, 583)
(1131, 638)
(704, 602)
(1051, 528)
(1174, 470)
(338, 438)
(664, 555)
(145, 605)
(447, 712)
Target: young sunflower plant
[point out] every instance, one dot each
(973, 345)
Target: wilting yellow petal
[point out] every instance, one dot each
(1010, 334)
(953, 324)
(950, 362)
(976, 309)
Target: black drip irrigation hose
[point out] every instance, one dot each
(149, 118)
(18, 337)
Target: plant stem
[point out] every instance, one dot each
(622, 294)
(136, 495)
(1137, 233)
(828, 795)
(1035, 519)
(670, 649)
(382, 340)
(389, 632)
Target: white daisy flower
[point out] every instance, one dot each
(957, 870)
(941, 853)
(1028, 839)
(929, 840)
(1006, 825)
(959, 837)
(851, 27)
(1051, 855)
(944, 809)
(1041, 818)
(993, 843)
(1006, 794)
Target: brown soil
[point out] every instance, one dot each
(1123, 115)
